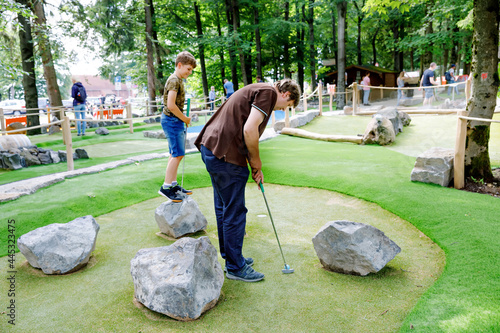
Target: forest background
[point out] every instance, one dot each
(234, 39)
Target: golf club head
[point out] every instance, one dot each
(287, 270)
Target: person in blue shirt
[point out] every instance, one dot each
(228, 86)
(427, 82)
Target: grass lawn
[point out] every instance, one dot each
(464, 225)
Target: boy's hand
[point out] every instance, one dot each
(187, 121)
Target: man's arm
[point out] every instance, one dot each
(172, 95)
(251, 136)
(433, 80)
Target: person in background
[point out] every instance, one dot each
(366, 89)
(211, 97)
(451, 79)
(228, 86)
(427, 82)
(258, 79)
(79, 95)
(401, 84)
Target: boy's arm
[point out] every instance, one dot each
(172, 95)
(251, 136)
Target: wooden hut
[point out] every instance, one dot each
(378, 76)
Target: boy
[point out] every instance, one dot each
(228, 143)
(211, 97)
(79, 95)
(172, 122)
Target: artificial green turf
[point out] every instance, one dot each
(308, 300)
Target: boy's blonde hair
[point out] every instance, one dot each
(291, 86)
(185, 58)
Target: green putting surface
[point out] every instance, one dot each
(99, 298)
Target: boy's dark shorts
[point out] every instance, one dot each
(173, 128)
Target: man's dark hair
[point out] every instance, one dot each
(291, 86)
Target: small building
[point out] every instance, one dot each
(378, 77)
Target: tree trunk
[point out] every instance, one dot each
(361, 16)
(46, 54)
(29, 77)
(312, 49)
(341, 10)
(201, 49)
(374, 47)
(286, 45)
(485, 83)
(221, 52)
(334, 33)
(148, 4)
(159, 62)
(232, 57)
(300, 48)
(257, 38)
(237, 43)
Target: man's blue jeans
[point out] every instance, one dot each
(80, 125)
(229, 182)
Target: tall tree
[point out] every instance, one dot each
(485, 82)
(300, 8)
(341, 10)
(237, 40)
(158, 51)
(286, 44)
(312, 49)
(29, 76)
(258, 49)
(221, 49)
(148, 8)
(359, 21)
(44, 47)
(232, 57)
(201, 49)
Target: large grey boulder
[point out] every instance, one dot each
(179, 219)
(60, 248)
(353, 248)
(434, 166)
(182, 280)
(14, 141)
(380, 131)
(394, 117)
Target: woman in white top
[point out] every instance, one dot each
(401, 84)
(366, 89)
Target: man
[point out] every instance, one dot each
(427, 81)
(228, 87)
(79, 95)
(228, 143)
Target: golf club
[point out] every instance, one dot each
(287, 269)
(185, 141)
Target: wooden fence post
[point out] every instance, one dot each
(287, 117)
(320, 96)
(2, 122)
(130, 116)
(293, 111)
(459, 159)
(68, 143)
(468, 90)
(101, 112)
(273, 119)
(305, 102)
(355, 94)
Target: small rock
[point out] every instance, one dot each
(102, 131)
(179, 219)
